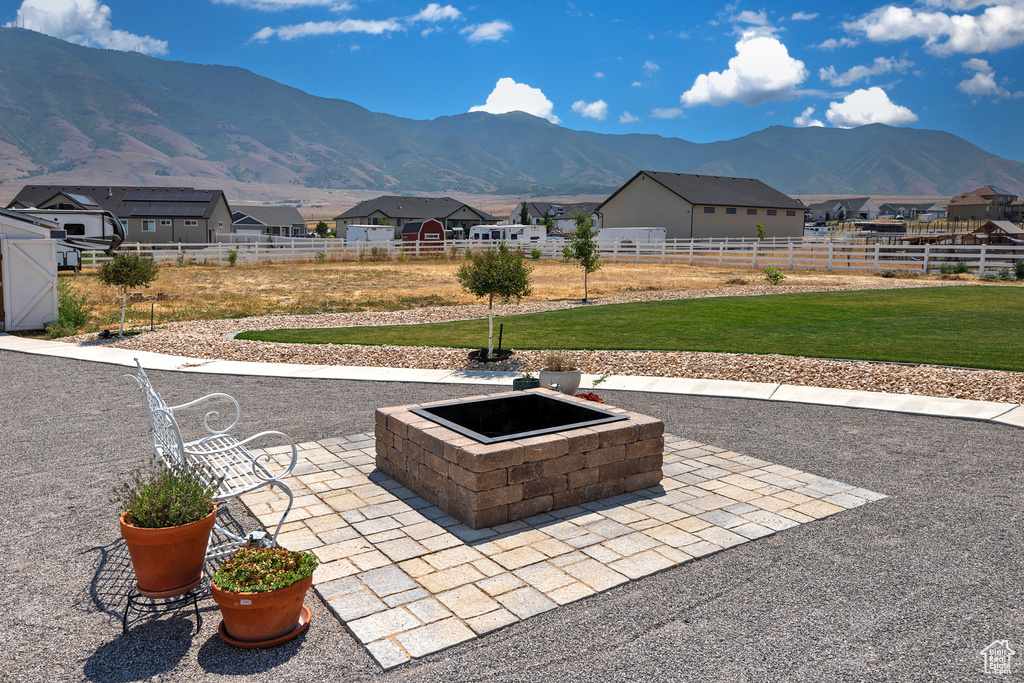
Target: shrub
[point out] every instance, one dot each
(1018, 270)
(535, 254)
(258, 570)
(166, 498)
(72, 310)
(320, 256)
(557, 361)
(773, 276)
(954, 268)
(232, 257)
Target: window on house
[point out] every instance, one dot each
(791, 213)
(165, 221)
(191, 224)
(772, 212)
(220, 224)
(709, 209)
(148, 226)
(730, 210)
(751, 212)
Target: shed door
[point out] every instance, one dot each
(29, 283)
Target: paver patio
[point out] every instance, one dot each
(409, 580)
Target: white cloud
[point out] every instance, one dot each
(626, 117)
(636, 84)
(650, 68)
(832, 43)
(276, 5)
(434, 12)
(862, 107)
(806, 120)
(325, 28)
(755, 18)
(762, 70)
(804, 16)
(591, 110)
(667, 113)
(598, 74)
(881, 65)
(983, 82)
(492, 30)
(511, 96)
(997, 28)
(83, 22)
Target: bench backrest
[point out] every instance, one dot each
(167, 442)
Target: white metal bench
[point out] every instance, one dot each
(219, 456)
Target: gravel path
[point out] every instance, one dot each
(908, 588)
(210, 339)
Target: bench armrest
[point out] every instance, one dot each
(266, 456)
(213, 414)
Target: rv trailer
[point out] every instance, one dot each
(85, 230)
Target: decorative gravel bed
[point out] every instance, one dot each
(210, 339)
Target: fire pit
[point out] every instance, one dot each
(488, 460)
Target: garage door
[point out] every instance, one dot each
(29, 273)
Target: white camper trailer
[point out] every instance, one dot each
(634, 235)
(512, 234)
(84, 230)
(369, 233)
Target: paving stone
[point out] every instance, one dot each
(410, 518)
(424, 529)
(817, 509)
(415, 567)
(722, 518)
(845, 500)
(387, 653)
(384, 536)
(866, 494)
(752, 531)
(571, 593)
(468, 535)
(525, 602)
(829, 486)
(602, 554)
(521, 538)
(674, 554)
(720, 537)
(370, 560)
(387, 581)
(543, 576)
(339, 587)
(520, 557)
(795, 516)
(691, 524)
(595, 574)
(299, 540)
(452, 557)
(568, 558)
(467, 601)
(585, 540)
(428, 610)
(382, 625)
(564, 530)
(711, 502)
(438, 582)
(435, 637)
(649, 523)
(356, 605)
(641, 565)
(793, 497)
(492, 621)
(663, 513)
(608, 528)
(502, 583)
(440, 542)
(630, 545)
(329, 571)
(488, 567)
(671, 535)
(623, 515)
(327, 522)
(374, 526)
(402, 549)
(772, 521)
(386, 509)
(405, 597)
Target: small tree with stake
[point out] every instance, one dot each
(322, 229)
(128, 270)
(495, 272)
(524, 215)
(582, 247)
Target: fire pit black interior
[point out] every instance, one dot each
(504, 418)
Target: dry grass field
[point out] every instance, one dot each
(196, 292)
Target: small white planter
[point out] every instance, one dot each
(565, 382)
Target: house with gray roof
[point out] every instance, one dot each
(895, 210)
(849, 208)
(155, 215)
(281, 221)
(702, 206)
(561, 213)
(395, 211)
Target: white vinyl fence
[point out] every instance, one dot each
(808, 252)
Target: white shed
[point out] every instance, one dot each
(28, 272)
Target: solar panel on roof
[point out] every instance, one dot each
(83, 200)
(166, 210)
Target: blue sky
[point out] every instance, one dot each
(698, 71)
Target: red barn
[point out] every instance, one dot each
(423, 235)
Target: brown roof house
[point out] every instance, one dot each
(702, 206)
(395, 211)
(984, 204)
(156, 215)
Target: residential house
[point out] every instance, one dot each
(702, 206)
(561, 213)
(911, 211)
(279, 221)
(844, 209)
(396, 211)
(984, 204)
(149, 214)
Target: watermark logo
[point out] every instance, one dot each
(998, 657)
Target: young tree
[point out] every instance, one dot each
(548, 221)
(760, 231)
(495, 272)
(524, 215)
(128, 269)
(582, 247)
(322, 229)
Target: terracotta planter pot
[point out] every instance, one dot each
(169, 561)
(565, 382)
(263, 617)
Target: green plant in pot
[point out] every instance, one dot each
(559, 372)
(260, 592)
(166, 522)
(525, 381)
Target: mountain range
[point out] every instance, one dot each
(72, 114)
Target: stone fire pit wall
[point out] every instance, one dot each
(485, 485)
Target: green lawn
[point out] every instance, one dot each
(980, 327)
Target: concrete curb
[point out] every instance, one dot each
(1011, 414)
